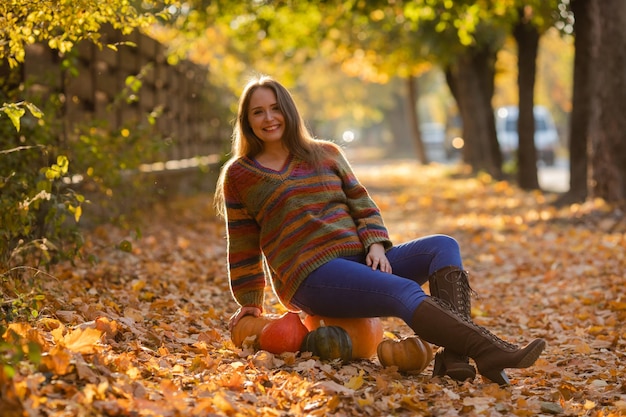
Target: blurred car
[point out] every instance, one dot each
(546, 135)
(433, 138)
(454, 142)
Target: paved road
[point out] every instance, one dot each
(554, 178)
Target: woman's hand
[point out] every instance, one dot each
(377, 259)
(243, 311)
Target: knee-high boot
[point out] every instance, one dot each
(436, 323)
(451, 285)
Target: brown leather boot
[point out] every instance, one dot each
(451, 285)
(436, 323)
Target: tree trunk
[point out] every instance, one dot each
(470, 80)
(413, 119)
(581, 105)
(527, 38)
(607, 125)
(396, 121)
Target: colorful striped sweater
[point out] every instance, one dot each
(288, 223)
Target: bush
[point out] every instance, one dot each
(46, 170)
(37, 200)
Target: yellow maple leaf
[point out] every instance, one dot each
(58, 361)
(82, 340)
(223, 404)
(368, 400)
(355, 382)
(57, 333)
(589, 405)
(583, 348)
(20, 328)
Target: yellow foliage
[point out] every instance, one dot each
(64, 23)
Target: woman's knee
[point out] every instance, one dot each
(446, 243)
(447, 252)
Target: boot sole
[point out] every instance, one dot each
(461, 374)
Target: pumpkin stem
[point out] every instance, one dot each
(391, 335)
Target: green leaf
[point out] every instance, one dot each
(125, 246)
(15, 113)
(34, 110)
(44, 185)
(133, 83)
(77, 211)
(63, 163)
(53, 172)
(9, 371)
(59, 169)
(34, 352)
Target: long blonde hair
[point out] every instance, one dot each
(297, 138)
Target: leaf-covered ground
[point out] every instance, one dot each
(143, 332)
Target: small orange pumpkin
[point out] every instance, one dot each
(365, 333)
(248, 326)
(408, 354)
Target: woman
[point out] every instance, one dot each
(297, 215)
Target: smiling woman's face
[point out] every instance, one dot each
(265, 118)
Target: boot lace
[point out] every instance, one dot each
(492, 337)
(457, 293)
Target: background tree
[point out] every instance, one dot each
(581, 102)
(597, 125)
(465, 37)
(533, 19)
(607, 123)
(376, 42)
(526, 35)
(383, 45)
(367, 41)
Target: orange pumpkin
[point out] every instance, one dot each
(365, 333)
(408, 354)
(284, 334)
(248, 326)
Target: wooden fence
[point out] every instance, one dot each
(192, 128)
(190, 121)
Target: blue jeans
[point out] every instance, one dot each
(346, 287)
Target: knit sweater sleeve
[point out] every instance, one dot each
(364, 211)
(245, 259)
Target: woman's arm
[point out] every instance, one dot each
(364, 211)
(245, 260)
